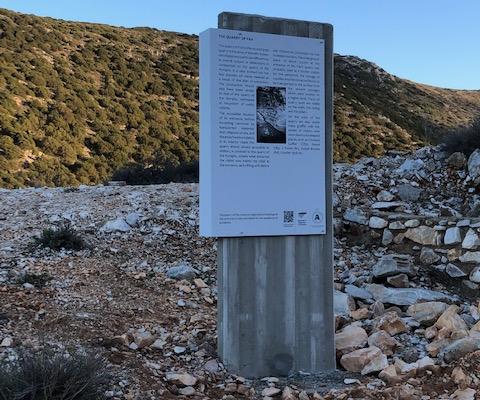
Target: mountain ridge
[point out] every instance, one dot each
(79, 101)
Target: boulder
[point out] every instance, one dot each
(450, 320)
(182, 379)
(357, 292)
(426, 363)
(412, 223)
(385, 195)
(470, 285)
(361, 313)
(457, 160)
(116, 225)
(386, 205)
(186, 391)
(143, 339)
(410, 167)
(271, 392)
(470, 257)
(393, 264)
(407, 192)
(182, 271)
(459, 348)
(475, 275)
(366, 360)
(377, 223)
(453, 254)
(431, 332)
(454, 271)
(396, 225)
(391, 323)
(423, 235)
(389, 375)
(452, 236)
(342, 303)
(387, 237)
(377, 308)
(426, 313)
(350, 338)
(463, 223)
(437, 346)
(6, 342)
(474, 165)
(132, 218)
(404, 367)
(356, 215)
(211, 366)
(378, 363)
(288, 394)
(428, 256)
(399, 238)
(460, 377)
(471, 240)
(464, 394)
(399, 281)
(404, 297)
(384, 342)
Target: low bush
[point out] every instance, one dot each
(37, 280)
(139, 175)
(63, 237)
(46, 376)
(464, 140)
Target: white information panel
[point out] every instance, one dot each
(262, 134)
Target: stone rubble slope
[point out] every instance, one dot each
(143, 292)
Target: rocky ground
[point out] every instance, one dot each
(143, 292)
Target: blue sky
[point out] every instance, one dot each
(428, 41)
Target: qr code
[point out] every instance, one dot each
(287, 217)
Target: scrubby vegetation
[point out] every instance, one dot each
(80, 101)
(158, 174)
(376, 111)
(464, 140)
(45, 376)
(64, 237)
(37, 280)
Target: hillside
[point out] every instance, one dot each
(79, 101)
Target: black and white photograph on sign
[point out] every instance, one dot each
(271, 114)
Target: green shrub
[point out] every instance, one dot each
(60, 238)
(139, 175)
(45, 376)
(464, 140)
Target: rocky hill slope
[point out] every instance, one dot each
(142, 293)
(78, 101)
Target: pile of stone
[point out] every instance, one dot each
(143, 292)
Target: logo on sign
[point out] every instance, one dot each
(317, 217)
